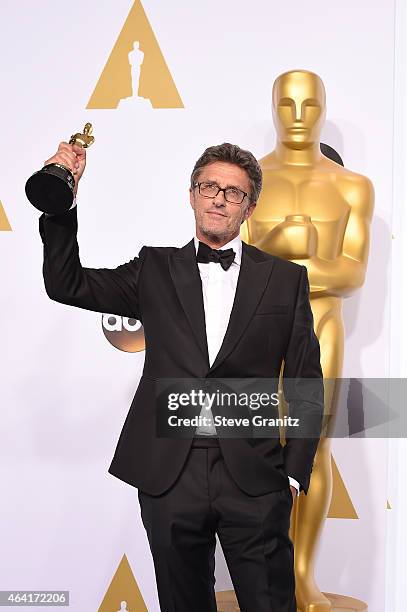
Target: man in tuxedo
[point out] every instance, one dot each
(214, 308)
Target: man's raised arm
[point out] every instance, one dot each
(113, 291)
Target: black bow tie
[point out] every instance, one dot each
(206, 254)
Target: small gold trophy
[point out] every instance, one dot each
(51, 188)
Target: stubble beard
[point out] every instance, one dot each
(216, 235)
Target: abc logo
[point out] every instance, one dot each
(123, 333)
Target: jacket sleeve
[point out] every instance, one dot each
(303, 389)
(104, 290)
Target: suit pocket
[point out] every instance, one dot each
(272, 309)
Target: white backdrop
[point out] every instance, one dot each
(65, 523)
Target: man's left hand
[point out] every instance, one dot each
(293, 492)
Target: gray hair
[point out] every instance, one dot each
(232, 154)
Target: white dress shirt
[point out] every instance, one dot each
(218, 290)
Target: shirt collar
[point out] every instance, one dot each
(235, 244)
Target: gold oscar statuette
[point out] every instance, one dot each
(51, 189)
(317, 213)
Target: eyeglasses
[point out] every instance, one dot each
(211, 190)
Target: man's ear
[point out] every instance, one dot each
(249, 211)
(191, 197)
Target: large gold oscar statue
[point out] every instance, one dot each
(316, 213)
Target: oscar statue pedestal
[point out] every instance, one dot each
(227, 602)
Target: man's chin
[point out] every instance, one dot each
(214, 232)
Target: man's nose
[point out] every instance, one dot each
(219, 200)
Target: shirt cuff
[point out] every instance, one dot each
(294, 483)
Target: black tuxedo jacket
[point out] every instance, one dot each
(271, 321)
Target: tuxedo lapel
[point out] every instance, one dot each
(253, 278)
(187, 281)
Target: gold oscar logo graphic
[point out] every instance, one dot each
(123, 333)
(123, 594)
(136, 73)
(341, 503)
(4, 223)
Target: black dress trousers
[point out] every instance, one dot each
(253, 531)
